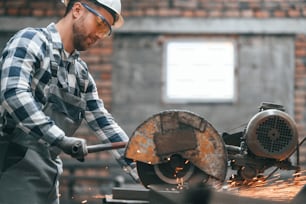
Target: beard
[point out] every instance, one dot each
(79, 36)
(79, 41)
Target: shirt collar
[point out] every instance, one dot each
(57, 41)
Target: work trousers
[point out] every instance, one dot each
(32, 179)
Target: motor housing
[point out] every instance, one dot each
(272, 133)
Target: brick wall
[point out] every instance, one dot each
(215, 8)
(99, 61)
(187, 8)
(99, 57)
(31, 8)
(300, 82)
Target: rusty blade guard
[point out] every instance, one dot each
(178, 132)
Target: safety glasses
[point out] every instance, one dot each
(104, 27)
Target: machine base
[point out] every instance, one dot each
(160, 194)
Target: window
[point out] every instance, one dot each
(197, 71)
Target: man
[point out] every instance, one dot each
(45, 92)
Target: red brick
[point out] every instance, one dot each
(280, 13)
(187, 13)
(106, 76)
(38, 12)
(51, 12)
(300, 69)
(300, 52)
(299, 107)
(100, 67)
(304, 12)
(12, 11)
(136, 13)
(105, 84)
(262, 14)
(232, 14)
(151, 12)
(294, 13)
(200, 13)
(169, 12)
(299, 101)
(100, 51)
(247, 13)
(299, 93)
(107, 91)
(299, 45)
(215, 13)
(299, 82)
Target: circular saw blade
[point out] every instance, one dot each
(161, 174)
(175, 170)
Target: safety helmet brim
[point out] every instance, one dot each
(119, 21)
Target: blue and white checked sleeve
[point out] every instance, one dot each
(22, 65)
(105, 127)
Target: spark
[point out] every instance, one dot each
(276, 188)
(100, 196)
(180, 183)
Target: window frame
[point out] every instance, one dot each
(167, 98)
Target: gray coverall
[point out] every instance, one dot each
(37, 182)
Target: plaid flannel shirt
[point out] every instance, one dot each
(25, 78)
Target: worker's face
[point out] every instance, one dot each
(92, 25)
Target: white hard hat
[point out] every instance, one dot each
(114, 5)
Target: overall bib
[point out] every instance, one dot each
(30, 169)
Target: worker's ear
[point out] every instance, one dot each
(77, 10)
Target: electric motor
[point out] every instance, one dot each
(272, 134)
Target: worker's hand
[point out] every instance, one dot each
(73, 146)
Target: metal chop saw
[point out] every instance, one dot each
(174, 148)
(180, 156)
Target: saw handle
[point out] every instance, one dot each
(98, 147)
(104, 147)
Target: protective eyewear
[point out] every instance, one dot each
(103, 26)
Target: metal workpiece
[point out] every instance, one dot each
(203, 194)
(176, 146)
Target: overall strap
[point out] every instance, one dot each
(54, 64)
(73, 106)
